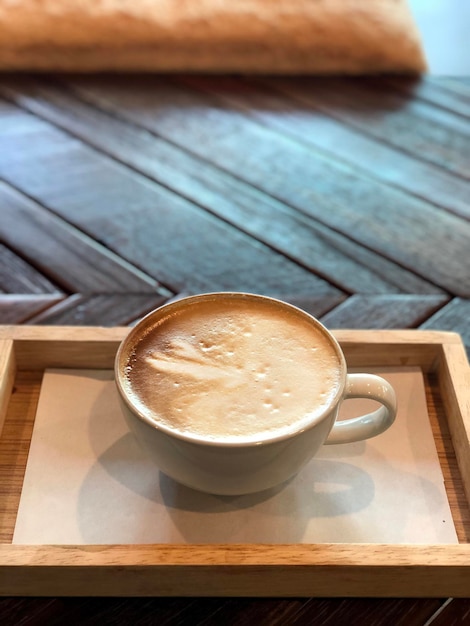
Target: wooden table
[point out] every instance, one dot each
(348, 197)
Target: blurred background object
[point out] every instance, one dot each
(252, 36)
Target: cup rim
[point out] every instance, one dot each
(153, 315)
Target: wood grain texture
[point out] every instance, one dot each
(388, 311)
(288, 571)
(454, 381)
(109, 611)
(286, 106)
(326, 252)
(16, 309)
(458, 86)
(163, 234)
(17, 276)
(315, 305)
(318, 570)
(76, 261)
(14, 446)
(192, 138)
(102, 309)
(401, 228)
(7, 376)
(455, 315)
(208, 611)
(327, 612)
(38, 347)
(432, 91)
(454, 613)
(416, 127)
(441, 415)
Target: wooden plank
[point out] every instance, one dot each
(405, 347)
(457, 85)
(322, 611)
(434, 92)
(237, 570)
(7, 375)
(17, 308)
(315, 305)
(454, 316)
(170, 238)
(454, 377)
(238, 611)
(412, 233)
(422, 130)
(287, 107)
(328, 253)
(17, 276)
(454, 613)
(208, 611)
(86, 611)
(14, 447)
(99, 309)
(388, 311)
(70, 258)
(38, 347)
(439, 410)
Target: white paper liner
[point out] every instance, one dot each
(87, 481)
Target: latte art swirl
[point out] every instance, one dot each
(185, 360)
(233, 371)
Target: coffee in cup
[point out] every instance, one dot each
(233, 369)
(233, 392)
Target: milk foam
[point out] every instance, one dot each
(233, 371)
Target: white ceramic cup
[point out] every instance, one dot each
(234, 468)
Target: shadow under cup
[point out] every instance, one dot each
(193, 375)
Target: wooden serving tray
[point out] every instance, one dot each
(234, 569)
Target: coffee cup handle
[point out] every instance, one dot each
(371, 424)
